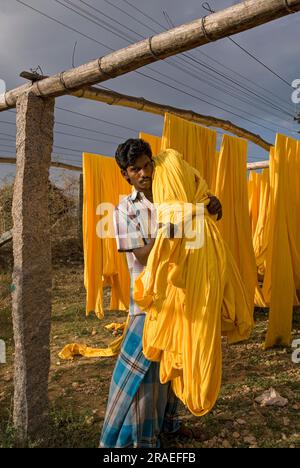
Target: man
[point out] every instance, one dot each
(139, 407)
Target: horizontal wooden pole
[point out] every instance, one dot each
(113, 98)
(8, 160)
(141, 104)
(250, 166)
(258, 165)
(233, 20)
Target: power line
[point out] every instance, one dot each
(142, 75)
(109, 17)
(208, 8)
(97, 118)
(144, 14)
(203, 100)
(128, 15)
(84, 138)
(235, 72)
(103, 24)
(117, 137)
(207, 95)
(63, 24)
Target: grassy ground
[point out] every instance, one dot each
(78, 390)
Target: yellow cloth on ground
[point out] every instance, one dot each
(197, 144)
(189, 295)
(282, 276)
(154, 142)
(79, 349)
(235, 227)
(103, 265)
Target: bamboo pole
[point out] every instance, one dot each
(53, 164)
(232, 20)
(116, 99)
(250, 166)
(113, 98)
(258, 165)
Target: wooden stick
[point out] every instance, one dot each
(250, 166)
(116, 99)
(53, 164)
(139, 103)
(233, 20)
(258, 165)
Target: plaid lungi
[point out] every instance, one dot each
(139, 407)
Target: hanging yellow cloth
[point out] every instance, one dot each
(154, 142)
(282, 276)
(261, 234)
(254, 195)
(214, 171)
(232, 190)
(197, 144)
(103, 265)
(189, 294)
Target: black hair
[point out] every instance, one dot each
(127, 153)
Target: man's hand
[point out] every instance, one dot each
(215, 207)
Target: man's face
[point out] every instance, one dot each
(140, 174)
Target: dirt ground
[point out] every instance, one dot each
(78, 390)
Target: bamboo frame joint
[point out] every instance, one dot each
(101, 69)
(289, 7)
(151, 49)
(205, 33)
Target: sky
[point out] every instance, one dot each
(217, 79)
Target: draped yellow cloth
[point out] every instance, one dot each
(197, 144)
(282, 276)
(154, 142)
(261, 233)
(103, 265)
(254, 196)
(235, 227)
(190, 295)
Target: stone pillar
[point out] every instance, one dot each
(32, 275)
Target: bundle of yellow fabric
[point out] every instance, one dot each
(190, 295)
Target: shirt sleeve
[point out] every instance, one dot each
(127, 231)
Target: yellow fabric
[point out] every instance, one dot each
(232, 190)
(103, 265)
(78, 349)
(197, 144)
(282, 276)
(214, 171)
(189, 295)
(154, 142)
(261, 234)
(254, 195)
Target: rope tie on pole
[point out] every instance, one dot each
(289, 7)
(151, 49)
(102, 71)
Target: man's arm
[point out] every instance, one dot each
(143, 253)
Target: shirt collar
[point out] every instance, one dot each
(134, 195)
